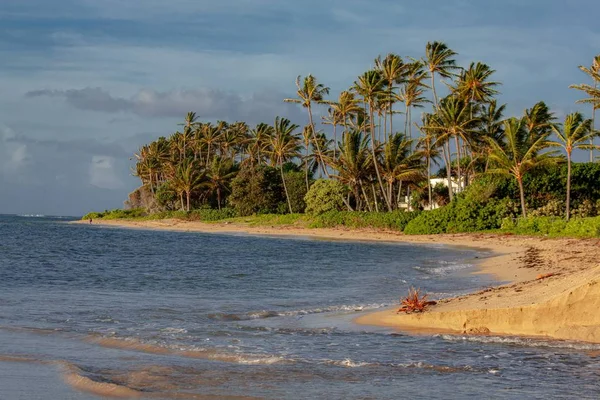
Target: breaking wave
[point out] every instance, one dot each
(272, 314)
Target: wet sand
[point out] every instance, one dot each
(551, 286)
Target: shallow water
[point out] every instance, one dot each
(191, 314)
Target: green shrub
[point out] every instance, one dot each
(116, 214)
(325, 195)
(295, 182)
(553, 226)
(396, 220)
(430, 222)
(257, 190)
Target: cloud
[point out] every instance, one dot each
(103, 175)
(208, 103)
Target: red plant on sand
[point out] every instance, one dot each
(414, 302)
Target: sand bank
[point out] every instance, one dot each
(563, 304)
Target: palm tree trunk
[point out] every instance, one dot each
(391, 118)
(182, 203)
(435, 100)
(568, 211)
(364, 193)
(399, 192)
(375, 158)
(429, 180)
(314, 135)
(306, 168)
(458, 163)
(593, 126)
(447, 161)
(375, 198)
(219, 198)
(522, 194)
(287, 197)
(334, 139)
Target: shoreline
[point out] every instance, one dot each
(548, 288)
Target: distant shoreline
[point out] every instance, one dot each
(561, 306)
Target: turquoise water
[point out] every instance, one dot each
(169, 313)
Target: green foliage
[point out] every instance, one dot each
(116, 214)
(396, 220)
(296, 186)
(325, 195)
(462, 215)
(553, 226)
(257, 190)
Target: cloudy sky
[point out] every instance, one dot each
(84, 83)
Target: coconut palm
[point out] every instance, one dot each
(438, 60)
(398, 162)
(187, 177)
(353, 164)
(492, 126)
(518, 153)
(309, 92)
(593, 92)
(411, 94)
(574, 134)
(369, 86)
(539, 120)
(427, 147)
(453, 119)
(473, 84)
(209, 137)
(391, 68)
(284, 146)
(219, 174)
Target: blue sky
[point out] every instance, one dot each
(84, 83)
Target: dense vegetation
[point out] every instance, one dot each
(373, 169)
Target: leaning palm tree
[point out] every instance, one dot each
(369, 86)
(593, 92)
(438, 60)
(284, 146)
(518, 154)
(309, 92)
(427, 148)
(575, 134)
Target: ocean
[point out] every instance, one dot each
(88, 312)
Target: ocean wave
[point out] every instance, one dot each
(214, 354)
(525, 342)
(445, 268)
(349, 363)
(271, 314)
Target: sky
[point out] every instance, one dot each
(85, 83)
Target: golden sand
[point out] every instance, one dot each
(553, 285)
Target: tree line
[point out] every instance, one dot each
(463, 134)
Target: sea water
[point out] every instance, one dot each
(87, 310)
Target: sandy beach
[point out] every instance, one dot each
(549, 287)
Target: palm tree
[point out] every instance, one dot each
(210, 137)
(539, 120)
(369, 86)
(453, 120)
(492, 126)
(353, 164)
(398, 163)
(438, 60)
(309, 92)
(258, 142)
(518, 154)
(594, 93)
(391, 68)
(428, 148)
(285, 145)
(574, 134)
(220, 172)
(411, 94)
(473, 84)
(187, 178)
